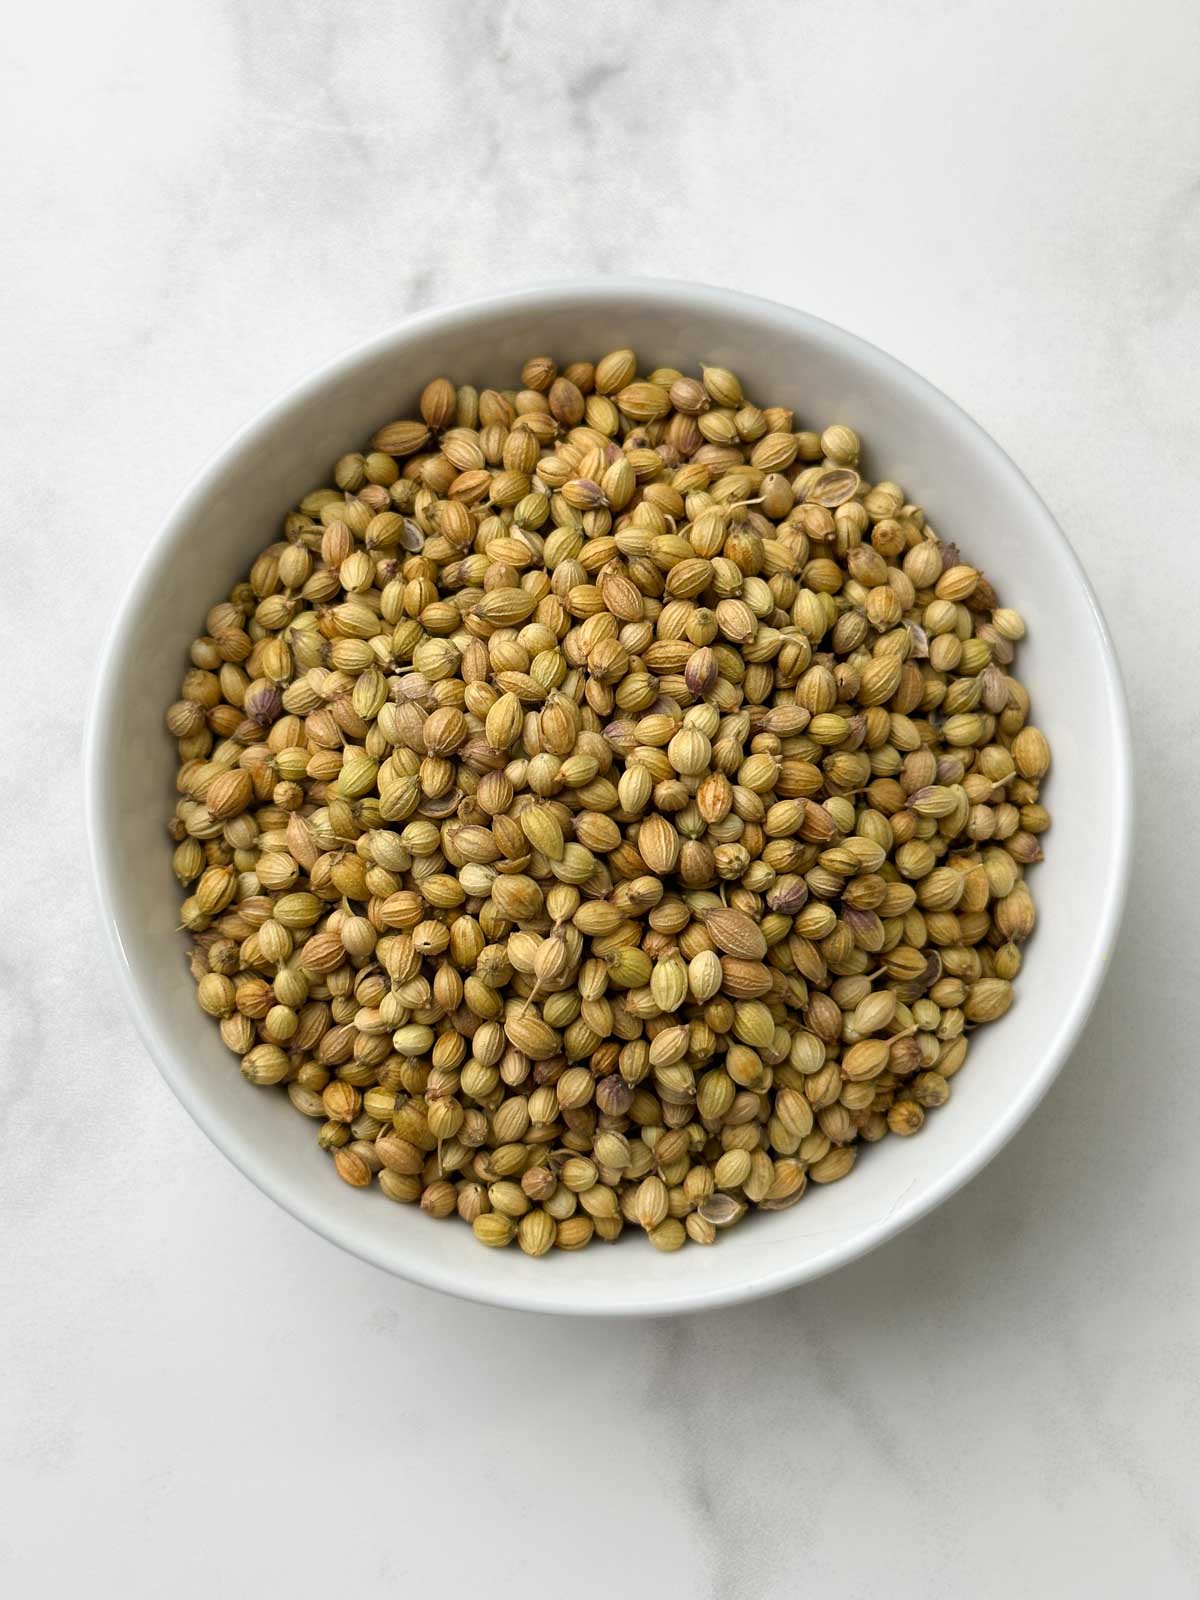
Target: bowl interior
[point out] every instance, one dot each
(973, 495)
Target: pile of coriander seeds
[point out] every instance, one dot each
(603, 807)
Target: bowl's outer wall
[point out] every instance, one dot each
(973, 495)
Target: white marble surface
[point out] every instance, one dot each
(200, 1398)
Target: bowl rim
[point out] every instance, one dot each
(295, 1198)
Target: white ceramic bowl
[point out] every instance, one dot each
(974, 495)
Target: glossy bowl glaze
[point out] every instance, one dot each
(974, 495)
